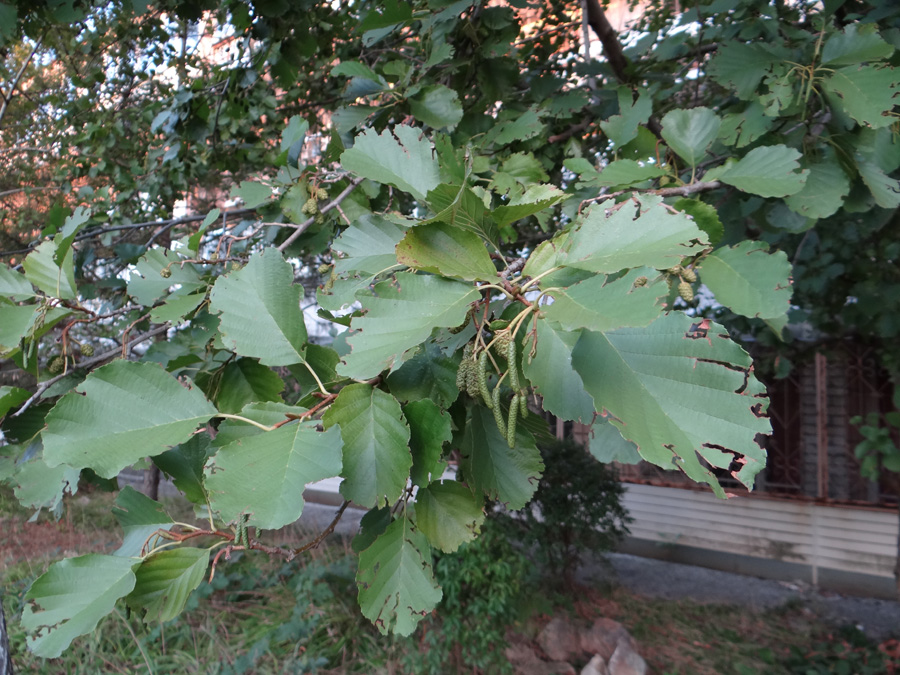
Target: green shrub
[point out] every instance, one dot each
(577, 510)
(482, 584)
(849, 652)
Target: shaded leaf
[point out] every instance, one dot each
(429, 428)
(164, 582)
(139, 517)
(264, 289)
(148, 285)
(446, 250)
(39, 486)
(427, 375)
(401, 159)
(368, 245)
(866, 93)
(648, 236)
(71, 597)
(264, 475)
(607, 445)
(246, 381)
(856, 43)
(885, 190)
(749, 280)
(396, 580)
(120, 413)
(401, 315)
(57, 281)
(448, 514)
(184, 465)
(14, 285)
(679, 391)
(705, 216)
(535, 199)
(768, 171)
(437, 106)
(823, 194)
(552, 374)
(461, 207)
(375, 434)
(690, 132)
(508, 475)
(623, 127)
(603, 304)
(624, 172)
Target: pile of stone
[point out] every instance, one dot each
(605, 644)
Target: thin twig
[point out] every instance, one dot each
(7, 97)
(88, 363)
(325, 209)
(319, 539)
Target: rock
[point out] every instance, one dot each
(596, 666)
(560, 640)
(602, 638)
(626, 661)
(526, 662)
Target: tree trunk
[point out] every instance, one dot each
(897, 564)
(6, 664)
(151, 482)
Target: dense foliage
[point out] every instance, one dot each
(503, 219)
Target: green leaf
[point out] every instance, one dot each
(443, 249)
(856, 43)
(375, 434)
(607, 445)
(148, 285)
(508, 475)
(177, 307)
(448, 514)
(15, 323)
(551, 373)
(749, 280)
(437, 106)
(57, 281)
(14, 285)
(648, 236)
(253, 194)
(768, 171)
(164, 582)
(429, 428)
(742, 66)
(139, 517)
(264, 289)
(39, 486)
(371, 526)
(678, 389)
(690, 132)
(264, 475)
(866, 93)
(195, 239)
(396, 580)
(120, 413)
(604, 304)
(427, 375)
(624, 172)
(744, 128)
(66, 236)
(399, 158)
(521, 127)
(184, 464)
(461, 207)
(885, 190)
(11, 397)
(823, 194)
(400, 315)
(705, 216)
(368, 245)
(535, 199)
(71, 597)
(623, 128)
(267, 413)
(246, 381)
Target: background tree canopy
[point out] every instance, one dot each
(492, 208)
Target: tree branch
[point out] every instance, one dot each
(333, 204)
(88, 363)
(608, 37)
(7, 97)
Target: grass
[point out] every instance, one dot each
(262, 616)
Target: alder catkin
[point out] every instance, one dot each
(498, 413)
(87, 350)
(482, 379)
(513, 417)
(689, 275)
(685, 291)
(511, 360)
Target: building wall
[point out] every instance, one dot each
(845, 548)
